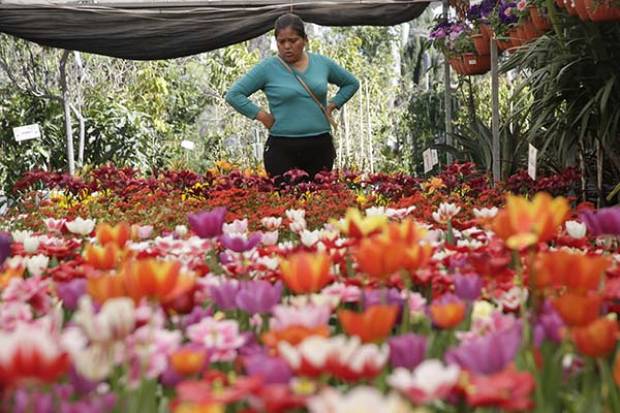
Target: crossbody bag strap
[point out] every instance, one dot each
(305, 86)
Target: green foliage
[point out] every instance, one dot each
(574, 80)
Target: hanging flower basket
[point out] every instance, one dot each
(481, 43)
(476, 65)
(456, 63)
(582, 11)
(530, 32)
(569, 5)
(540, 20)
(602, 11)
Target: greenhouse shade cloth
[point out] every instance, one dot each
(163, 30)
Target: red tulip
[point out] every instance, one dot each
(30, 354)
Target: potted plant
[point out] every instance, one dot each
(478, 18)
(504, 21)
(603, 10)
(538, 15)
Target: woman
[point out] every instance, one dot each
(295, 83)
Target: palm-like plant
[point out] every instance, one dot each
(574, 77)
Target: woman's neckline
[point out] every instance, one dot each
(304, 69)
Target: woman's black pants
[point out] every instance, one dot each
(311, 154)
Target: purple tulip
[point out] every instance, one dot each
(170, 377)
(467, 287)
(197, 314)
(258, 297)
(407, 350)
(207, 224)
(240, 243)
(81, 384)
(273, 370)
(224, 295)
(5, 246)
(35, 402)
(549, 325)
(70, 292)
(604, 221)
(488, 354)
(376, 297)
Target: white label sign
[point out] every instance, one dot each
(189, 145)
(24, 133)
(434, 157)
(531, 161)
(428, 160)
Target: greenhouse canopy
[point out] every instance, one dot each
(169, 29)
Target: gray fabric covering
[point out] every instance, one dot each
(146, 31)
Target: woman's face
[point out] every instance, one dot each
(290, 45)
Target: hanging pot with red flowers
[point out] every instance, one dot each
(603, 10)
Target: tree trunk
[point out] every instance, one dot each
(67, 111)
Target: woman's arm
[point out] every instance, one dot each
(343, 78)
(238, 94)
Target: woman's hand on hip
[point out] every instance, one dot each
(266, 119)
(330, 109)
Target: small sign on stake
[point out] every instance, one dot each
(27, 132)
(189, 145)
(428, 160)
(531, 161)
(434, 157)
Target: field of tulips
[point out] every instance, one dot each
(219, 292)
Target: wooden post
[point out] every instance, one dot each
(360, 153)
(447, 93)
(369, 131)
(67, 111)
(495, 108)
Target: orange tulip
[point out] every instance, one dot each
(11, 272)
(395, 248)
(616, 371)
(417, 256)
(187, 360)
(293, 335)
(374, 324)
(358, 226)
(102, 287)
(523, 223)
(579, 273)
(187, 407)
(578, 310)
(598, 338)
(380, 259)
(160, 280)
(117, 234)
(448, 314)
(407, 232)
(102, 257)
(305, 273)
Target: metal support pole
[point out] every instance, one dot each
(495, 106)
(447, 93)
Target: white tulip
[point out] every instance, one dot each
(295, 214)
(271, 223)
(309, 238)
(37, 264)
(485, 213)
(31, 244)
(270, 238)
(180, 230)
(576, 229)
(20, 236)
(81, 226)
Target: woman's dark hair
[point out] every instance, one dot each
(293, 21)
